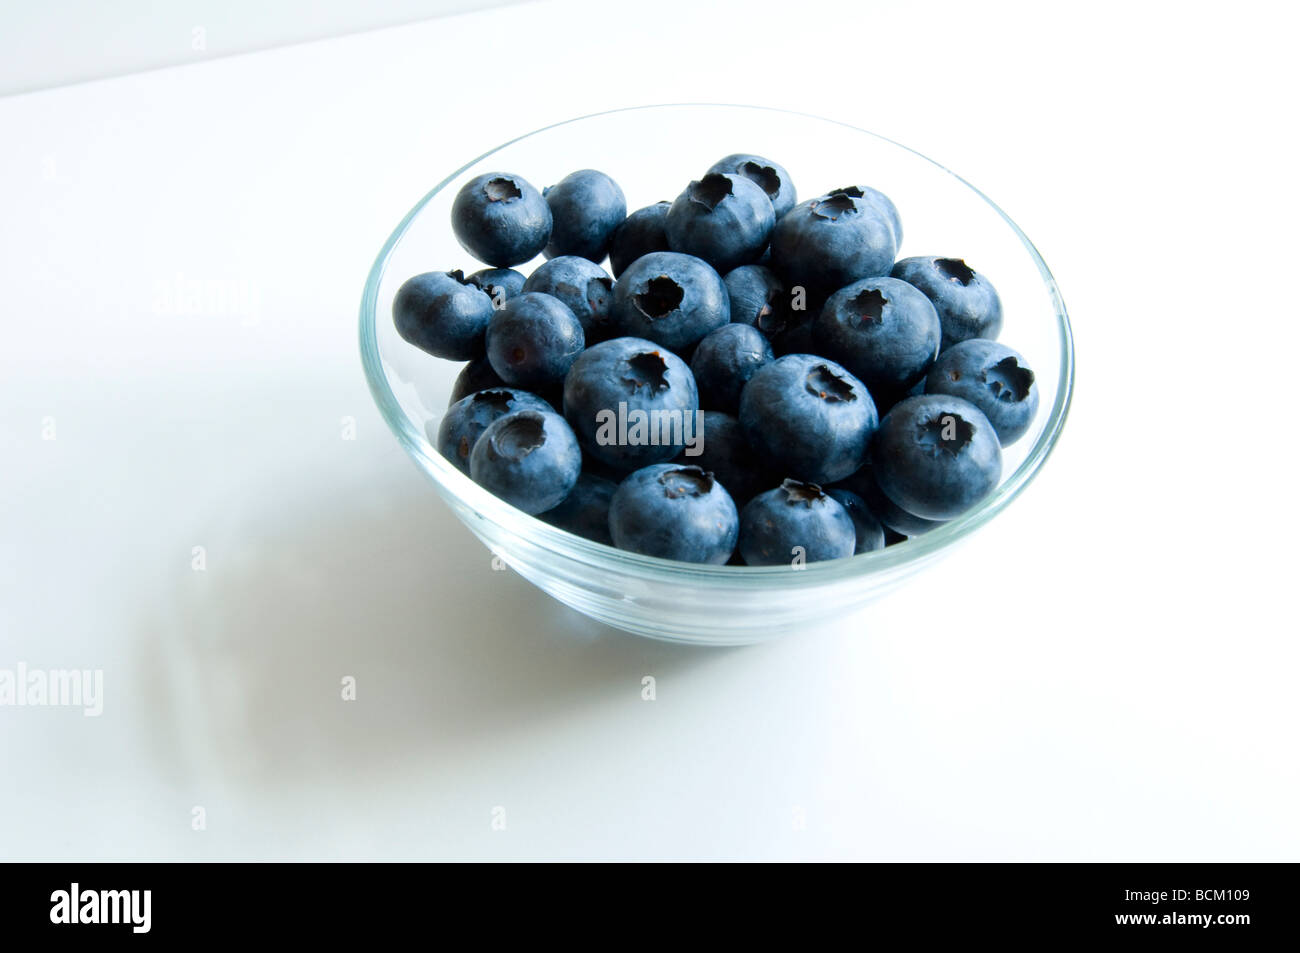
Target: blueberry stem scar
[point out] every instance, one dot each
(502, 190)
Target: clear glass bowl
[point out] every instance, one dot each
(652, 152)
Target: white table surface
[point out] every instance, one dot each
(1108, 671)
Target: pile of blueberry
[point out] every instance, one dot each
(758, 381)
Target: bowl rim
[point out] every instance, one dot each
(459, 488)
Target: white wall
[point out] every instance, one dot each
(69, 41)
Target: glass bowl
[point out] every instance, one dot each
(653, 152)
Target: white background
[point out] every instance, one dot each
(67, 41)
(1108, 671)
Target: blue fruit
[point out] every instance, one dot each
(582, 285)
(726, 453)
(809, 417)
(725, 361)
(585, 511)
(641, 233)
(994, 378)
(500, 219)
(870, 534)
(793, 524)
(759, 298)
(967, 302)
(501, 284)
(832, 241)
(475, 376)
(936, 456)
(895, 519)
(671, 299)
(443, 313)
(883, 330)
(882, 204)
(766, 174)
(631, 402)
(529, 458)
(586, 207)
(465, 420)
(674, 512)
(796, 337)
(724, 219)
(533, 340)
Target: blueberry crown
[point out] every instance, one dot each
(869, 307)
(764, 176)
(711, 190)
(660, 297)
(806, 493)
(498, 401)
(945, 432)
(520, 435)
(686, 481)
(833, 206)
(954, 269)
(647, 369)
(825, 383)
(502, 189)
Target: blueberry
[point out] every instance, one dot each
(809, 417)
(870, 534)
(726, 453)
(671, 299)
(533, 340)
(724, 219)
(586, 207)
(500, 219)
(632, 403)
(641, 233)
(885, 402)
(882, 204)
(465, 420)
(725, 361)
(758, 297)
(766, 174)
(992, 377)
(475, 376)
(796, 522)
(501, 284)
(553, 393)
(895, 519)
(598, 467)
(529, 458)
(832, 241)
(585, 511)
(674, 512)
(883, 330)
(582, 285)
(796, 337)
(936, 456)
(443, 313)
(967, 302)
